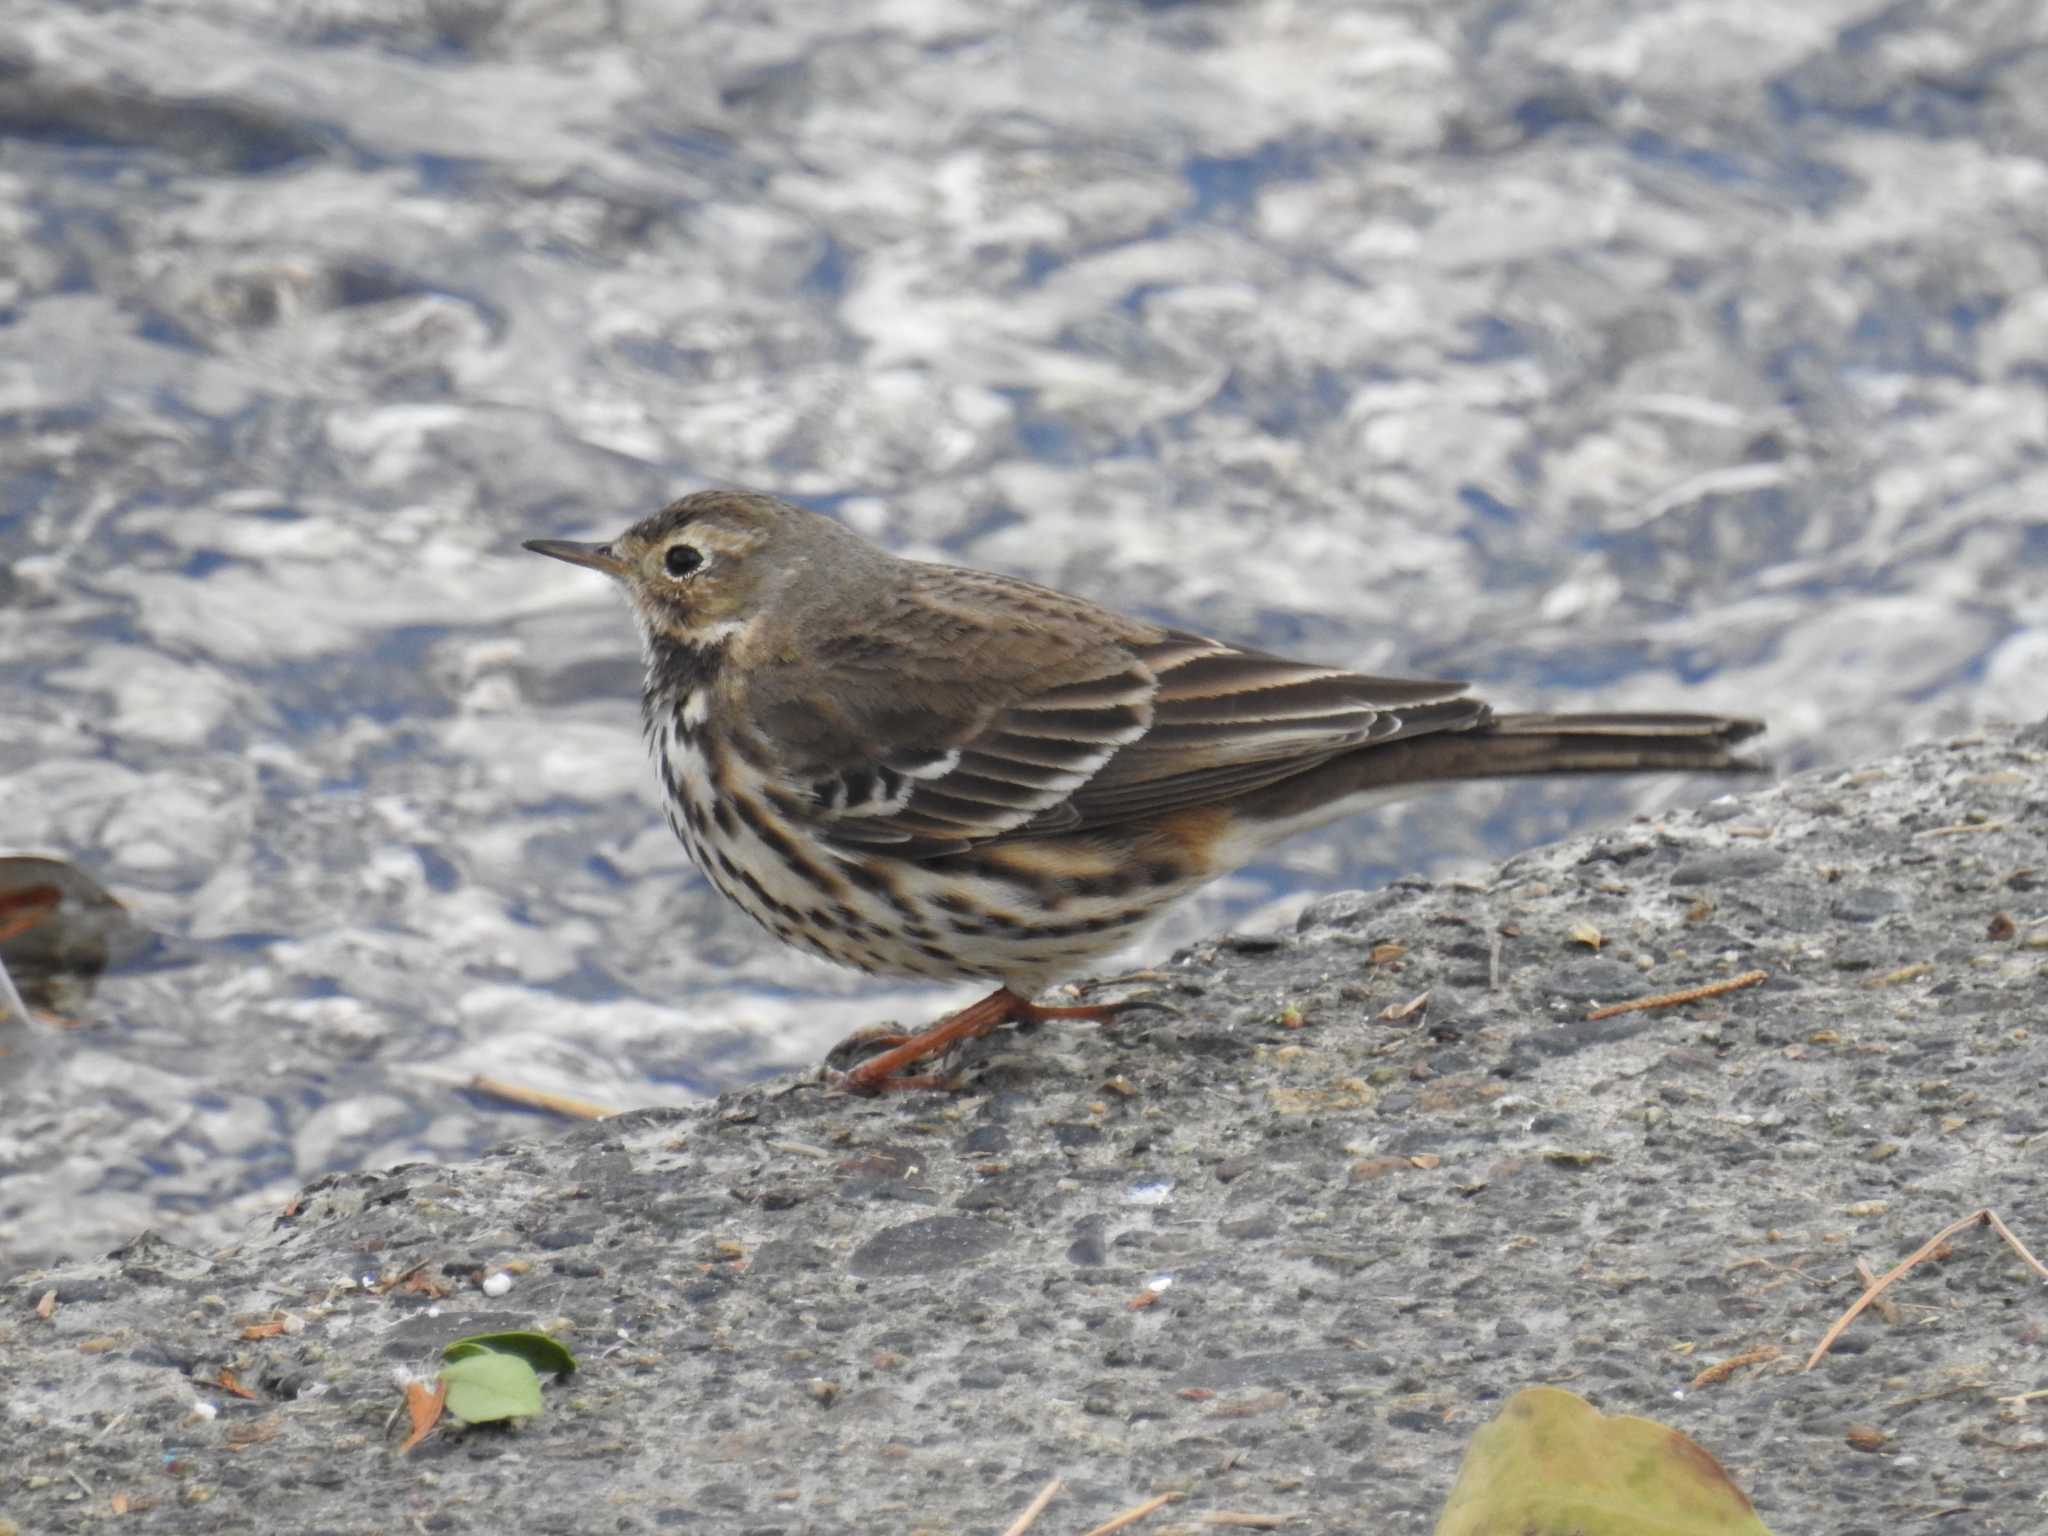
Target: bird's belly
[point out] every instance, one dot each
(897, 917)
(718, 812)
(1023, 915)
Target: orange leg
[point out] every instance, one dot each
(879, 1074)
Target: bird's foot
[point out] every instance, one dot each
(863, 1043)
(883, 1073)
(1143, 1000)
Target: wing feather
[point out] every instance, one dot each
(1059, 725)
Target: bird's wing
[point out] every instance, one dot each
(985, 708)
(963, 707)
(1226, 721)
(1017, 766)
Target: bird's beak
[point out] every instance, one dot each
(598, 557)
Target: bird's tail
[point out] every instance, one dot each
(1509, 746)
(1516, 746)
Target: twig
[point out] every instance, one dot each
(540, 1098)
(1985, 1216)
(1721, 1370)
(1961, 827)
(1940, 1394)
(1133, 1515)
(1033, 1510)
(1673, 999)
(1886, 1307)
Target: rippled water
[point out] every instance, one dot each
(1630, 353)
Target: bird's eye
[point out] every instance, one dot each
(681, 559)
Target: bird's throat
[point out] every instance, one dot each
(676, 671)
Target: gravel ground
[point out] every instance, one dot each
(1615, 354)
(1361, 1221)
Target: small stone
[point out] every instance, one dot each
(930, 1246)
(1868, 903)
(1727, 866)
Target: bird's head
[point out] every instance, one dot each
(705, 570)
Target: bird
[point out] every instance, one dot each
(933, 771)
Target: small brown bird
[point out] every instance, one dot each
(925, 770)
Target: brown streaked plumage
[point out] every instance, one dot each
(926, 770)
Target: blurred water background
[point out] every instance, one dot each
(1609, 352)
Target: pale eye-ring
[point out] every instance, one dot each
(682, 559)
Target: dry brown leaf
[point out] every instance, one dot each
(1251, 1407)
(1378, 1168)
(46, 1305)
(423, 1404)
(227, 1381)
(1586, 934)
(242, 1436)
(1394, 1013)
(23, 909)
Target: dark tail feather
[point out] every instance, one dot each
(1510, 746)
(1516, 746)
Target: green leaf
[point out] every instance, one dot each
(487, 1386)
(1553, 1464)
(536, 1349)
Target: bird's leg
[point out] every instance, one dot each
(879, 1073)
